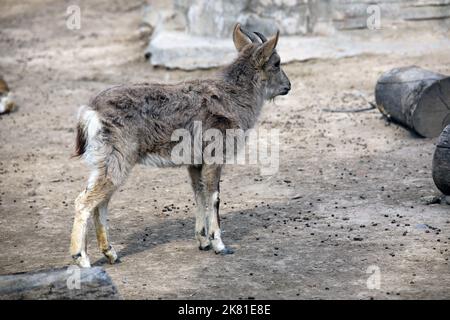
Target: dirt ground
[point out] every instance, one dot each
(346, 200)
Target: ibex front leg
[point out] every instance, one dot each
(211, 180)
(195, 172)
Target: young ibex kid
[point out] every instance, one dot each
(6, 102)
(126, 125)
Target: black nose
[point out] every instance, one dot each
(286, 89)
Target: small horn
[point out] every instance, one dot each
(261, 36)
(250, 35)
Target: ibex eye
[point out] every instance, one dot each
(277, 64)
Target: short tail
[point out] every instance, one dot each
(80, 142)
(87, 127)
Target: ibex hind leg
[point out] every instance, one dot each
(98, 192)
(101, 230)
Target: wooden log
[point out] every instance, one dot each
(59, 284)
(416, 98)
(441, 162)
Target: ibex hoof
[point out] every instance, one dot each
(205, 248)
(81, 261)
(225, 251)
(111, 255)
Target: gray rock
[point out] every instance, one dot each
(161, 17)
(179, 50)
(253, 22)
(213, 18)
(291, 17)
(183, 51)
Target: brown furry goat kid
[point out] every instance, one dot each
(130, 124)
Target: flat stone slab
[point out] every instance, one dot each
(179, 50)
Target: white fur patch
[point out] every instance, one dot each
(91, 124)
(6, 103)
(2, 104)
(90, 121)
(155, 160)
(217, 241)
(214, 197)
(93, 178)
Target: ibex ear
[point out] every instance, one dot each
(239, 38)
(264, 52)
